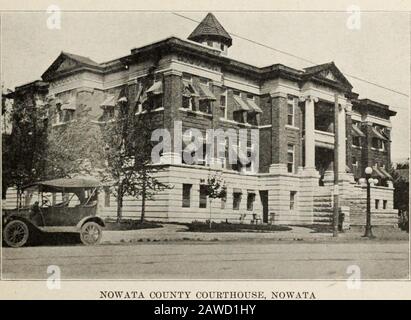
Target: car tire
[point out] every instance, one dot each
(91, 233)
(16, 234)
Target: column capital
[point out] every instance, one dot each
(309, 98)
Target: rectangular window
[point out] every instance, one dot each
(290, 158)
(250, 96)
(378, 144)
(223, 100)
(204, 106)
(377, 203)
(236, 93)
(186, 102)
(238, 116)
(356, 141)
(203, 196)
(223, 202)
(68, 115)
(110, 112)
(186, 195)
(59, 114)
(290, 111)
(157, 101)
(250, 201)
(292, 200)
(210, 43)
(223, 103)
(236, 200)
(384, 204)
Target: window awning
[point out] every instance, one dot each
(237, 190)
(386, 173)
(122, 99)
(69, 104)
(189, 90)
(205, 93)
(136, 99)
(110, 101)
(156, 88)
(240, 104)
(143, 96)
(385, 135)
(254, 106)
(376, 172)
(356, 132)
(251, 191)
(376, 134)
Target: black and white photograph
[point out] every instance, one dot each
(217, 145)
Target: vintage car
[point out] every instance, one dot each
(60, 205)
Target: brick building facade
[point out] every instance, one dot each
(195, 82)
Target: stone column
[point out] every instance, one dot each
(172, 101)
(309, 139)
(278, 132)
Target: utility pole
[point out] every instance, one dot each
(336, 168)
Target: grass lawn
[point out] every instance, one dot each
(233, 227)
(129, 224)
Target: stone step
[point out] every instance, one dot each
(323, 209)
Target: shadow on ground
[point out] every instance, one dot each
(55, 239)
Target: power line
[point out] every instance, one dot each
(296, 56)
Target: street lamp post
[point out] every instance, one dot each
(369, 180)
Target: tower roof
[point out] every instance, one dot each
(210, 28)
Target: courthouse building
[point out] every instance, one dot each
(194, 81)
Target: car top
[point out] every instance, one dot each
(66, 184)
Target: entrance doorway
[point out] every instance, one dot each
(324, 158)
(264, 202)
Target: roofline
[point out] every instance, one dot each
(375, 104)
(38, 82)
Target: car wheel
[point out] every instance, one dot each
(91, 233)
(16, 233)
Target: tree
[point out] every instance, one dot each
(76, 148)
(215, 189)
(25, 149)
(401, 191)
(128, 153)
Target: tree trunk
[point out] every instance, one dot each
(210, 214)
(143, 203)
(120, 202)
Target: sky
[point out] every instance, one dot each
(379, 51)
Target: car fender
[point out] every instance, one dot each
(95, 219)
(25, 220)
